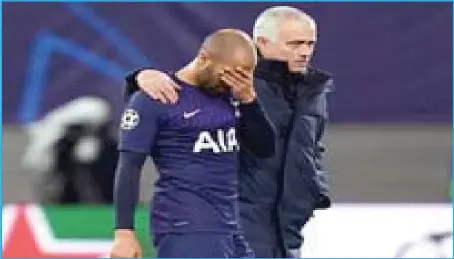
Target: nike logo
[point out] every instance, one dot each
(188, 115)
(180, 223)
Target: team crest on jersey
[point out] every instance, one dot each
(130, 119)
(223, 141)
(236, 104)
(237, 113)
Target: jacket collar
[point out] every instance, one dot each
(273, 70)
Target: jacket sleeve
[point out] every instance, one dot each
(131, 85)
(321, 174)
(305, 185)
(256, 131)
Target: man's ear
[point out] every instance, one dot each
(203, 59)
(262, 45)
(262, 41)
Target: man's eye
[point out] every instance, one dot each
(292, 45)
(296, 44)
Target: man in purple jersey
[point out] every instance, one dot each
(194, 146)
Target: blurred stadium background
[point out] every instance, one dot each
(389, 141)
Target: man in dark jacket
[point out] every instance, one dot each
(278, 195)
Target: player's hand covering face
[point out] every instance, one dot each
(231, 73)
(240, 82)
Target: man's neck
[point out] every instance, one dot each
(187, 74)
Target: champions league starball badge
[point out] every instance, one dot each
(235, 104)
(130, 119)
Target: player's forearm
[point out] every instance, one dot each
(256, 130)
(127, 186)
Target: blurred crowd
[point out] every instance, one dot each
(72, 151)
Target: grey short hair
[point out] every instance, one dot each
(266, 24)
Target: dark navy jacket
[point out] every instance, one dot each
(292, 183)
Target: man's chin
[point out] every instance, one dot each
(298, 69)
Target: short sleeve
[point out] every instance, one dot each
(139, 123)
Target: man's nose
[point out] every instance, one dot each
(304, 50)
